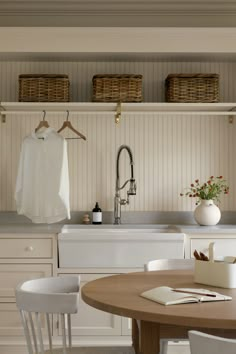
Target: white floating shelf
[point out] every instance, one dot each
(228, 109)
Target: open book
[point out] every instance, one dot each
(169, 296)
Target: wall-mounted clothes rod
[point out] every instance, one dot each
(38, 113)
(200, 113)
(29, 108)
(119, 109)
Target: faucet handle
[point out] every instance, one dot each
(124, 202)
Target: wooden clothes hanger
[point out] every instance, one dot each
(67, 124)
(42, 123)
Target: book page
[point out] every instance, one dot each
(167, 296)
(207, 297)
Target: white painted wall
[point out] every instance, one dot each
(169, 151)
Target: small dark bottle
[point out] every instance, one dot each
(97, 214)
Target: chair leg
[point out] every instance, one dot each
(164, 347)
(135, 336)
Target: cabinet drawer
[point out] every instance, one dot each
(25, 248)
(223, 247)
(13, 274)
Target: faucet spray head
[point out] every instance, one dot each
(132, 187)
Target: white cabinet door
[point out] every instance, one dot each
(10, 276)
(10, 322)
(126, 326)
(90, 321)
(223, 246)
(13, 274)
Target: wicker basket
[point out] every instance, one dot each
(44, 88)
(192, 88)
(117, 88)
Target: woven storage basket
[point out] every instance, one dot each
(117, 88)
(192, 88)
(44, 88)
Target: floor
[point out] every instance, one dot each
(106, 350)
(172, 349)
(179, 348)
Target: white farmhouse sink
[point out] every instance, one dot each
(123, 246)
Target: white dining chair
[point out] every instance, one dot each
(204, 343)
(165, 264)
(47, 296)
(168, 264)
(37, 300)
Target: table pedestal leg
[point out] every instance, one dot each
(135, 336)
(149, 337)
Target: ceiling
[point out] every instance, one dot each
(118, 13)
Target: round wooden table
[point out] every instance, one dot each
(120, 295)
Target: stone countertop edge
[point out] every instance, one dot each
(57, 228)
(30, 229)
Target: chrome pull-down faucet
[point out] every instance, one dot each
(132, 185)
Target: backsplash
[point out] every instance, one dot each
(169, 151)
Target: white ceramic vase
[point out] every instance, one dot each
(207, 213)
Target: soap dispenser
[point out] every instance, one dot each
(97, 214)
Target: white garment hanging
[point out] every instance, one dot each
(42, 187)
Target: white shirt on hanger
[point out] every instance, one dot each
(42, 186)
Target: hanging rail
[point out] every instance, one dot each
(8, 112)
(200, 113)
(120, 109)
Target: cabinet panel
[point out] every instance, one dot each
(25, 248)
(126, 325)
(12, 274)
(223, 247)
(10, 322)
(90, 321)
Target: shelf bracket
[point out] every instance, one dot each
(231, 118)
(118, 113)
(2, 114)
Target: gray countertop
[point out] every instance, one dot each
(183, 222)
(56, 228)
(217, 229)
(30, 229)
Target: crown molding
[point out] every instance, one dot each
(116, 7)
(118, 13)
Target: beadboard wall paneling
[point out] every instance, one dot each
(169, 151)
(81, 73)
